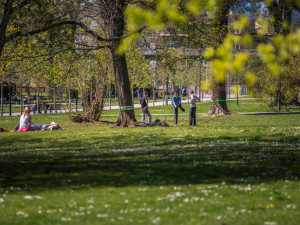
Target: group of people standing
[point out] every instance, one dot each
(176, 103)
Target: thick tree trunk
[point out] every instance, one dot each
(113, 14)
(126, 116)
(218, 105)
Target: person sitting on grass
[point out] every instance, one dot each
(176, 103)
(144, 106)
(25, 120)
(192, 114)
(17, 98)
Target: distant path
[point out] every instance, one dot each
(203, 114)
(136, 105)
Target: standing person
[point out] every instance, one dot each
(25, 121)
(183, 92)
(139, 92)
(155, 94)
(176, 103)
(144, 106)
(192, 114)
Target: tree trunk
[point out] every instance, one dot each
(70, 102)
(110, 95)
(153, 97)
(126, 116)
(163, 95)
(218, 105)
(28, 90)
(114, 19)
(2, 98)
(21, 101)
(38, 102)
(54, 93)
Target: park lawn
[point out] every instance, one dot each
(241, 169)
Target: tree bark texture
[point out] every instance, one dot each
(114, 19)
(219, 105)
(126, 117)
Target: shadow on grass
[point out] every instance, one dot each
(119, 161)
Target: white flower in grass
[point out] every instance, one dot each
(219, 217)
(65, 219)
(293, 206)
(156, 220)
(37, 197)
(1, 200)
(186, 200)
(91, 201)
(29, 197)
(102, 215)
(243, 210)
(270, 223)
(21, 213)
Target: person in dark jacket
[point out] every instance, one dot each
(144, 106)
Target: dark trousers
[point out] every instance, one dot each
(145, 110)
(192, 115)
(175, 114)
(47, 106)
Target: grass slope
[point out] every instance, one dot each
(227, 170)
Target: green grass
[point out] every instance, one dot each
(241, 169)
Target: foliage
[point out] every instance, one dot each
(138, 68)
(266, 85)
(273, 54)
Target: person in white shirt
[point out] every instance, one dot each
(25, 121)
(192, 114)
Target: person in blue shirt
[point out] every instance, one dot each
(176, 103)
